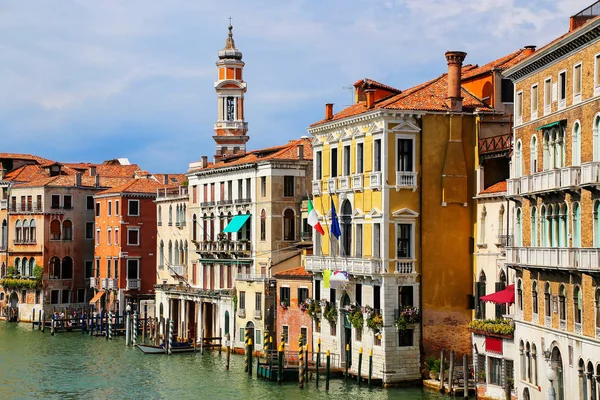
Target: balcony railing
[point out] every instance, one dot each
(505, 240)
(555, 257)
(513, 187)
(25, 241)
(358, 266)
(375, 179)
(172, 192)
(590, 173)
(133, 284)
(332, 185)
(406, 180)
(257, 314)
(112, 284)
(241, 312)
(176, 270)
(405, 266)
(207, 204)
(316, 187)
(306, 235)
(26, 208)
(93, 282)
(224, 202)
(357, 182)
(257, 277)
(344, 182)
(546, 181)
(3, 204)
(104, 283)
(243, 201)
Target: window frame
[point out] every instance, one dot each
(87, 202)
(285, 289)
(331, 164)
(519, 107)
(534, 101)
(65, 197)
(548, 95)
(404, 136)
(289, 191)
(129, 203)
(133, 229)
(596, 74)
(360, 157)
(561, 95)
(577, 96)
(411, 242)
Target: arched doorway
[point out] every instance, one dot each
(557, 366)
(226, 323)
(250, 327)
(346, 227)
(526, 394)
(13, 311)
(347, 329)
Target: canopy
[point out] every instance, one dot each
(236, 223)
(506, 296)
(338, 279)
(97, 297)
(551, 124)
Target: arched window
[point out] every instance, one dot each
(526, 394)
(67, 230)
(205, 227)
(534, 297)
(597, 308)
(289, 224)
(501, 285)
(54, 268)
(159, 221)
(543, 227)
(563, 229)
(518, 228)
(32, 231)
(24, 266)
(177, 215)
(559, 147)
(346, 228)
(482, 226)
(546, 151)
(596, 132)
(522, 359)
(534, 371)
(170, 260)
(547, 299)
(528, 359)
(32, 266)
(229, 218)
(533, 163)
(576, 142)
(577, 304)
(183, 215)
(221, 223)
(18, 230)
(263, 225)
(185, 253)
(596, 224)
(562, 303)
(212, 226)
(501, 221)
(67, 268)
(518, 160)
(481, 291)
(553, 225)
(534, 227)
(18, 266)
(170, 215)
(25, 232)
(576, 225)
(55, 229)
(520, 295)
(4, 239)
(194, 227)
(161, 255)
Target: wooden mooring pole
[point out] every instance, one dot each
(466, 376)
(250, 357)
(451, 372)
(442, 371)
(370, 366)
(318, 361)
(228, 352)
(280, 363)
(246, 346)
(360, 353)
(347, 362)
(327, 366)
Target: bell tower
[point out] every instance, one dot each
(230, 129)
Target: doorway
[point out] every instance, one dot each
(557, 366)
(347, 330)
(13, 310)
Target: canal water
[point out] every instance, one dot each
(35, 365)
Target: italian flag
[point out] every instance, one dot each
(313, 219)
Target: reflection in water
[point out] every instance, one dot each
(72, 366)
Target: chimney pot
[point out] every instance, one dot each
(328, 110)
(78, 178)
(300, 152)
(97, 180)
(204, 161)
(454, 98)
(370, 94)
(529, 49)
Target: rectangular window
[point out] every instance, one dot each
(507, 91)
(332, 295)
(319, 165)
(377, 297)
(562, 89)
(116, 236)
(133, 207)
(242, 300)
(81, 295)
(547, 96)
(240, 188)
(258, 337)
(358, 228)
(334, 163)
(242, 334)
(376, 239)
(577, 83)
(67, 201)
(97, 237)
(89, 204)
(212, 192)
(302, 294)
(360, 153)
(54, 296)
(194, 194)
(404, 244)
(55, 201)
(346, 161)
(377, 155)
(117, 209)
(284, 296)
(66, 296)
(116, 268)
(109, 210)
(258, 301)
(405, 296)
(89, 265)
(597, 74)
(519, 108)
(97, 271)
(317, 289)
(263, 186)
(405, 155)
(108, 268)
(133, 236)
(249, 188)
(358, 290)
(133, 268)
(108, 236)
(89, 230)
(285, 330)
(405, 338)
(534, 101)
(304, 334)
(97, 209)
(288, 186)
(229, 190)
(495, 371)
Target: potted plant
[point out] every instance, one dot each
(330, 313)
(406, 316)
(374, 319)
(433, 365)
(481, 377)
(314, 310)
(356, 318)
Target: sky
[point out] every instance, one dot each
(89, 81)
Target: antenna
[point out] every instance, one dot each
(351, 89)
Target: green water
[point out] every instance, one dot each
(35, 365)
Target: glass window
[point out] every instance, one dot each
(334, 163)
(133, 207)
(67, 201)
(319, 165)
(302, 295)
(288, 186)
(242, 300)
(377, 155)
(534, 101)
(403, 248)
(405, 338)
(360, 158)
(346, 161)
(133, 236)
(258, 301)
(89, 203)
(284, 296)
(405, 155)
(495, 371)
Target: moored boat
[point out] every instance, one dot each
(177, 348)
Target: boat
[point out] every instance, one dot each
(177, 348)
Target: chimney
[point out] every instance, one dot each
(204, 161)
(529, 50)
(300, 152)
(328, 110)
(370, 98)
(166, 179)
(78, 178)
(454, 98)
(92, 170)
(97, 183)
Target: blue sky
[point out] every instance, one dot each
(92, 80)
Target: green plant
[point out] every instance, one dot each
(430, 362)
(235, 301)
(408, 315)
(357, 319)
(375, 321)
(511, 383)
(37, 272)
(481, 376)
(496, 326)
(330, 313)
(20, 283)
(314, 309)
(10, 271)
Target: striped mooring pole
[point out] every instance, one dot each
(300, 363)
(110, 326)
(246, 347)
(170, 336)
(135, 326)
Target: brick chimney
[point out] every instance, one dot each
(92, 170)
(300, 152)
(370, 93)
(78, 178)
(454, 98)
(165, 179)
(97, 180)
(328, 110)
(204, 161)
(529, 50)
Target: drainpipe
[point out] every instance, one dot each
(421, 215)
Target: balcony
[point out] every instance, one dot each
(555, 257)
(134, 284)
(504, 240)
(257, 314)
(104, 283)
(545, 181)
(306, 235)
(3, 204)
(344, 183)
(207, 204)
(224, 202)
(356, 266)
(357, 182)
(231, 125)
(316, 188)
(93, 282)
(590, 174)
(406, 180)
(331, 185)
(375, 180)
(241, 313)
(243, 201)
(405, 266)
(513, 187)
(252, 277)
(26, 208)
(112, 284)
(176, 270)
(172, 192)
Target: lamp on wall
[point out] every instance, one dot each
(547, 355)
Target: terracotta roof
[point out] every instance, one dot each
(135, 186)
(18, 156)
(69, 181)
(26, 173)
(299, 272)
(428, 96)
(174, 179)
(499, 187)
(288, 151)
(496, 65)
(109, 170)
(370, 83)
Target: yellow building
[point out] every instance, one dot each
(399, 167)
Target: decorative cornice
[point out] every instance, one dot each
(367, 116)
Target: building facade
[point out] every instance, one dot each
(554, 215)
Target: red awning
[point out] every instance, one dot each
(506, 296)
